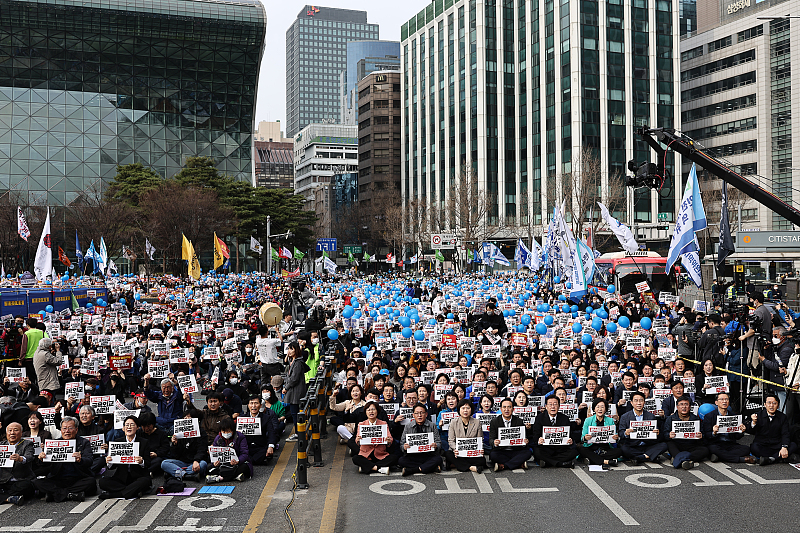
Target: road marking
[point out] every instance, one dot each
(708, 481)
(92, 517)
(114, 514)
(415, 487)
(189, 524)
(615, 508)
(654, 465)
(623, 466)
(483, 483)
(505, 486)
(761, 481)
(331, 507)
(636, 479)
(224, 503)
(725, 471)
(257, 516)
(83, 506)
(159, 504)
(453, 488)
(39, 525)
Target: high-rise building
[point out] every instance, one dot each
(364, 57)
(88, 85)
(270, 132)
(515, 89)
(320, 152)
(736, 94)
(274, 164)
(315, 56)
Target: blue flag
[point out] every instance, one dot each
(475, 257)
(78, 252)
(92, 254)
(691, 219)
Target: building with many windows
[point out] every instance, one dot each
(515, 89)
(364, 57)
(736, 94)
(320, 152)
(88, 85)
(274, 164)
(315, 57)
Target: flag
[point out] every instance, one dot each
(487, 258)
(285, 253)
(256, 246)
(587, 260)
(22, 226)
(226, 253)
(330, 265)
(726, 247)
(298, 254)
(414, 259)
(691, 261)
(103, 253)
(498, 257)
(476, 258)
(367, 257)
(218, 257)
(112, 267)
(73, 302)
(194, 263)
(522, 255)
(128, 254)
(43, 264)
(691, 219)
(438, 255)
(274, 253)
(623, 233)
(288, 275)
(149, 249)
(186, 250)
(350, 258)
(227, 264)
(63, 258)
(390, 258)
(78, 252)
(536, 255)
(91, 253)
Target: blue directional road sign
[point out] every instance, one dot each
(326, 245)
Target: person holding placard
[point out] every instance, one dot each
(373, 456)
(558, 455)
(37, 434)
(722, 433)
(443, 418)
(131, 477)
(705, 388)
(465, 427)
(16, 472)
(157, 441)
(685, 447)
(211, 416)
(187, 457)
(168, 400)
(73, 479)
(772, 442)
(415, 460)
(599, 433)
(263, 440)
(638, 432)
(239, 467)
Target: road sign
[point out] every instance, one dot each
(739, 268)
(663, 216)
(443, 241)
(352, 249)
(326, 245)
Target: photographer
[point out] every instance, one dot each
(783, 349)
(46, 361)
(709, 343)
(760, 325)
(682, 332)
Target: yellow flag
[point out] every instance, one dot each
(194, 264)
(218, 259)
(187, 246)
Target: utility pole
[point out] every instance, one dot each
(268, 251)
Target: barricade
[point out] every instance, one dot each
(311, 420)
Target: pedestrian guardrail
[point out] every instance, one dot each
(311, 420)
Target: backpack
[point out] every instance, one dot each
(171, 486)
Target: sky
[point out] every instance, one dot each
(271, 101)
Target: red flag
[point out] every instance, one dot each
(226, 253)
(63, 258)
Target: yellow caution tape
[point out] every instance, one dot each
(762, 380)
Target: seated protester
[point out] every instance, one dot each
(700, 385)
(128, 481)
(450, 403)
(628, 386)
(771, 429)
(583, 407)
(507, 457)
(424, 397)
(387, 393)
(187, 458)
(544, 385)
(359, 415)
(211, 416)
(345, 429)
(88, 426)
(595, 453)
(16, 481)
(373, 457)
(559, 455)
(425, 462)
(723, 446)
(514, 380)
(262, 447)
(269, 400)
(37, 434)
(157, 441)
(575, 426)
(231, 403)
(685, 452)
(409, 400)
(464, 427)
(139, 402)
(639, 450)
(238, 469)
(168, 399)
(69, 481)
(668, 404)
(486, 406)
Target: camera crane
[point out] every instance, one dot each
(653, 175)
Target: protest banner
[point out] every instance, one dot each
(186, 428)
(247, 425)
(74, 389)
(511, 436)
(158, 369)
(420, 442)
(372, 435)
(469, 447)
(527, 413)
(48, 415)
(716, 384)
(121, 414)
(15, 375)
(59, 451)
(6, 451)
(602, 434)
(448, 417)
(555, 435)
(223, 454)
(643, 430)
(729, 424)
(103, 405)
(569, 409)
(97, 442)
(37, 444)
(485, 419)
(188, 384)
(686, 429)
(123, 453)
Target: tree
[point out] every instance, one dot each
(131, 182)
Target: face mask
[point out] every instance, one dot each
(248, 350)
(265, 396)
(776, 340)
(314, 341)
(227, 435)
(74, 343)
(234, 381)
(480, 337)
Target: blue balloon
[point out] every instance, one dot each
(574, 308)
(611, 289)
(122, 301)
(525, 320)
(451, 316)
(348, 311)
(704, 409)
(449, 331)
(137, 296)
(576, 328)
(431, 321)
(597, 324)
(624, 322)
(49, 308)
(569, 285)
(333, 334)
(611, 327)
(549, 320)
(89, 305)
(557, 279)
(541, 329)
(565, 308)
(355, 304)
(406, 333)
(419, 335)
(404, 321)
(586, 339)
(646, 323)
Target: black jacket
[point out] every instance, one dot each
(126, 473)
(158, 442)
(190, 450)
(82, 469)
(269, 432)
(779, 357)
(709, 421)
(769, 433)
(709, 345)
(542, 420)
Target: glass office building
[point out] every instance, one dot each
(89, 85)
(516, 88)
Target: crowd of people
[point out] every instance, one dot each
(432, 373)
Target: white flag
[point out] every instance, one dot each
(103, 253)
(43, 264)
(536, 255)
(111, 267)
(623, 232)
(22, 226)
(149, 248)
(498, 257)
(255, 245)
(691, 261)
(330, 265)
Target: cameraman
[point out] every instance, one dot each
(709, 342)
(682, 332)
(776, 363)
(761, 320)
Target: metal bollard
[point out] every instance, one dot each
(315, 447)
(302, 456)
(322, 402)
